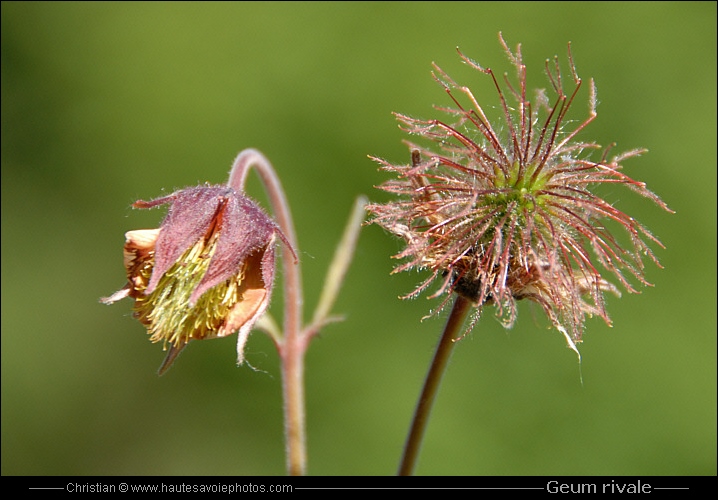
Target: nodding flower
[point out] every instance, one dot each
(499, 213)
(207, 272)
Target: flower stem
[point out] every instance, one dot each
(454, 323)
(294, 411)
(292, 345)
(280, 207)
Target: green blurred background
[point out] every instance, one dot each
(106, 103)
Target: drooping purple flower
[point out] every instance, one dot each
(206, 272)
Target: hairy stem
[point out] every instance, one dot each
(292, 344)
(294, 408)
(459, 311)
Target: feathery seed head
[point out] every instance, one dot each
(502, 214)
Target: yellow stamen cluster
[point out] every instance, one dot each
(167, 312)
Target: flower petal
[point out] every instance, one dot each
(257, 289)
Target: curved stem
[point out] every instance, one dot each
(455, 321)
(280, 207)
(292, 345)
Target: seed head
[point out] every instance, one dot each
(499, 214)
